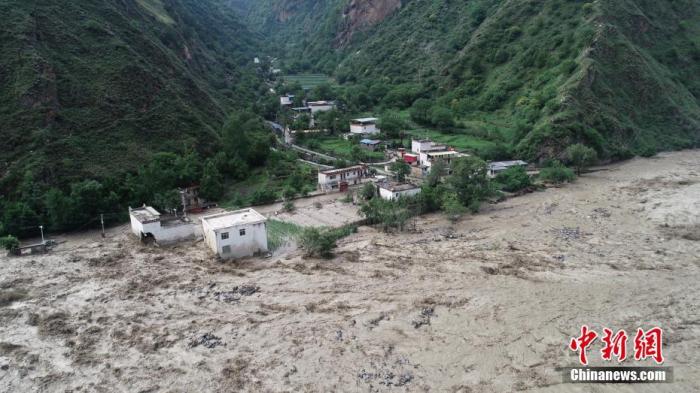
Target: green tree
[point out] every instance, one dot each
(212, 185)
(441, 116)
(581, 156)
(357, 154)
(400, 169)
(391, 124)
(168, 200)
(420, 111)
(469, 180)
(437, 171)
(514, 179)
(20, 220)
(368, 191)
(452, 206)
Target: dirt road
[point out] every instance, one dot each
(486, 305)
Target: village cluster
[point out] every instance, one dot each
(243, 233)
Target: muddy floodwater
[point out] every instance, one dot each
(488, 304)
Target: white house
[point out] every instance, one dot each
(424, 145)
(341, 179)
(236, 234)
(427, 159)
(364, 126)
(147, 223)
(286, 100)
(497, 167)
(393, 191)
(320, 106)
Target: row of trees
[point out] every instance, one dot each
(245, 144)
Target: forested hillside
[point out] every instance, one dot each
(90, 88)
(620, 76)
(105, 105)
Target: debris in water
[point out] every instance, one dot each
(207, 340)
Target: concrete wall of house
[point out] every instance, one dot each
(253, 242)
(320, 108)
(364, 129)
(163, 234)
(390, 196)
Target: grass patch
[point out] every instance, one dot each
(280, 233)
(308, 81)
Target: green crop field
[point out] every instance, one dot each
(308, 81)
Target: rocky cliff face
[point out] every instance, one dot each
(359, 14)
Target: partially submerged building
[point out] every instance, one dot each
(149, 225)
(236, 234)
(364, 126)
(393, 191)
(340, 179)
(497, 167)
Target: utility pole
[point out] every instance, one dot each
(41, 228)
(102, 221)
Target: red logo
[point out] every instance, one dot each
(647, 344)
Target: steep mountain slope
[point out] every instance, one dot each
(618, 75)
(88, 89)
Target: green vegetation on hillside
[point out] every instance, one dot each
(528, 78)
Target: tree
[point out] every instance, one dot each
(357, 154)
(514, 179)
(420, 111)
(368, 191)
(212, 185)
(168, 201)
(288, 193)
(581, 156)
(469, 180)
(391, 124)
(400, 169)
(452, 207)
(441, 116)
(20, 220)
(437, 170)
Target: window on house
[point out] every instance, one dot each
(224, 235)
(226, 250)
(242, 232)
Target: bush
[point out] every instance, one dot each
(581, 156)
(514, 179)
(289, 206)
(262, 196)
(9, 243)
(321, 242)
(368, 191)
(557, 173)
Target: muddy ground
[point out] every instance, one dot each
(485, 305)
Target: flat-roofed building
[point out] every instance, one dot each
(236, 234)
(341, 179)
(497, 167)
(393, 191)
(149, 225)
(364, 126)
(320, 106)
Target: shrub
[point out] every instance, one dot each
(9, 243)
(262, 196)
(557, 173)
(321, 242)
(368, 191)
(581, 156)
(289, 206)
(514, 179)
